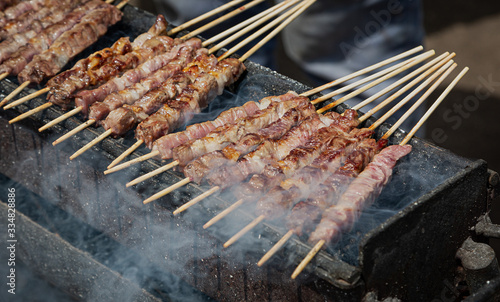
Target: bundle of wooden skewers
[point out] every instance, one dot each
(300, 164)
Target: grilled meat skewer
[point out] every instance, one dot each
(197, 169)
(177, 59)
(125, 118)
(268, 153)
(303, 216)
(13, 12)
(361, 193)
(26, 20)
(167, 143)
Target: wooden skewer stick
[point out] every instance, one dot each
(109, 1)
(132, 162)
(363, 71)
(441, 66)
(224, 213)
(221, 19)
(29, 113)
(73, 132)
(380, 76)
(122, 4)
(248, 26)
(418, 102)
(241, 25)
(275, 248)
(308, 258)
(204, 16)
(245, 230)
(60, 119)
(195, 200)
(126, 153)
(4, 75)
(434, 106)
(289, 16)
(14, 93)
(402, 80)
(27, 98)
(361, 82)
(152, 173)
(173, 187)
(446, 67)
(417, 60)
(91, 144)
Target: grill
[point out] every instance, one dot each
(404, 246)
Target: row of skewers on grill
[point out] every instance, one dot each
(318, 171)
(282, 145)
